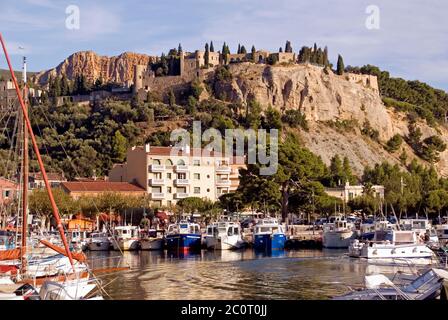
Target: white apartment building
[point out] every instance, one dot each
(168, 178)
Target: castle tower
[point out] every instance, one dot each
(181, 62)
(138, 77)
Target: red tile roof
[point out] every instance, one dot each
(55, 176)
(101, 186)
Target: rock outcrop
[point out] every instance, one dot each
(118, 69)
(325, 98)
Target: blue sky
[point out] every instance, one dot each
(411, 42)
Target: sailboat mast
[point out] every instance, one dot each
(39, 158)
(25, 168)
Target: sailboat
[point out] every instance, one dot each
(64, 261)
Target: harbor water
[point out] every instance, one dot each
(234, 275)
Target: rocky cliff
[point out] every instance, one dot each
(328, 99)
(119, 69)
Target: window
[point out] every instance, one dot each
(169, 203)
(208, 176)
(181, 162)
(168, 189)
(181, 176)
(7, 193)
(155, 161)
(168, 162)
(196, 163)
(168, 175)
(208, 190)
(197, 176)
(197, 190)
(156, 189)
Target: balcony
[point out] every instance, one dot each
(157, 195)
(180, 195)
(156, 168)
(223, 182)
(156, 182)
(223, 169)
(181, 182)
(180, 168)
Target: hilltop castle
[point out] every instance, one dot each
(192, 65)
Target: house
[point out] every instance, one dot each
(168, 176)
(8, 191)
(348, 192)
(77, 189)
(36, 180)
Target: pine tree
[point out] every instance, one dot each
(340, 66)
(212, 48)
(206, 56)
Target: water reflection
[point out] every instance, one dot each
(242, 274)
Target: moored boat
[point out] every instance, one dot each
(339, 234)
(269, 235)
(184, 236)
(391, 244)
(125, 238)
(99, 241)
(151, 240)
(224, 235)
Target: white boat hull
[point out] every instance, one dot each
(390, 251)
(151, 244)
(338, 239)
(224, 242)
(126, 244)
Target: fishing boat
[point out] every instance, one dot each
(99, 241)
(184, 236)
(78, 239)
(151, 240)
(392, 244)
(125, 238)
(338, 234)
(224, 235)
(6, 240)
(269, 235)
(426, 286)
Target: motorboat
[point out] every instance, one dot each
(99, 241)
(426, 286)
(184, 236)
(125, 238)
(269, 235)
(391, 244)
(151, 240)
(224, 235)
(339, 234)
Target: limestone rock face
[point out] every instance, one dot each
(119, 69)
(320, 95)
(324, 96)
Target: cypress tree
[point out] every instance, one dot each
(212, 48)
(179, 49)
(326, 62)
(288, 47)
(280, 49)
(253, 53)
(243, 50)
(206, 56)
(340, 66)
(239, 49)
